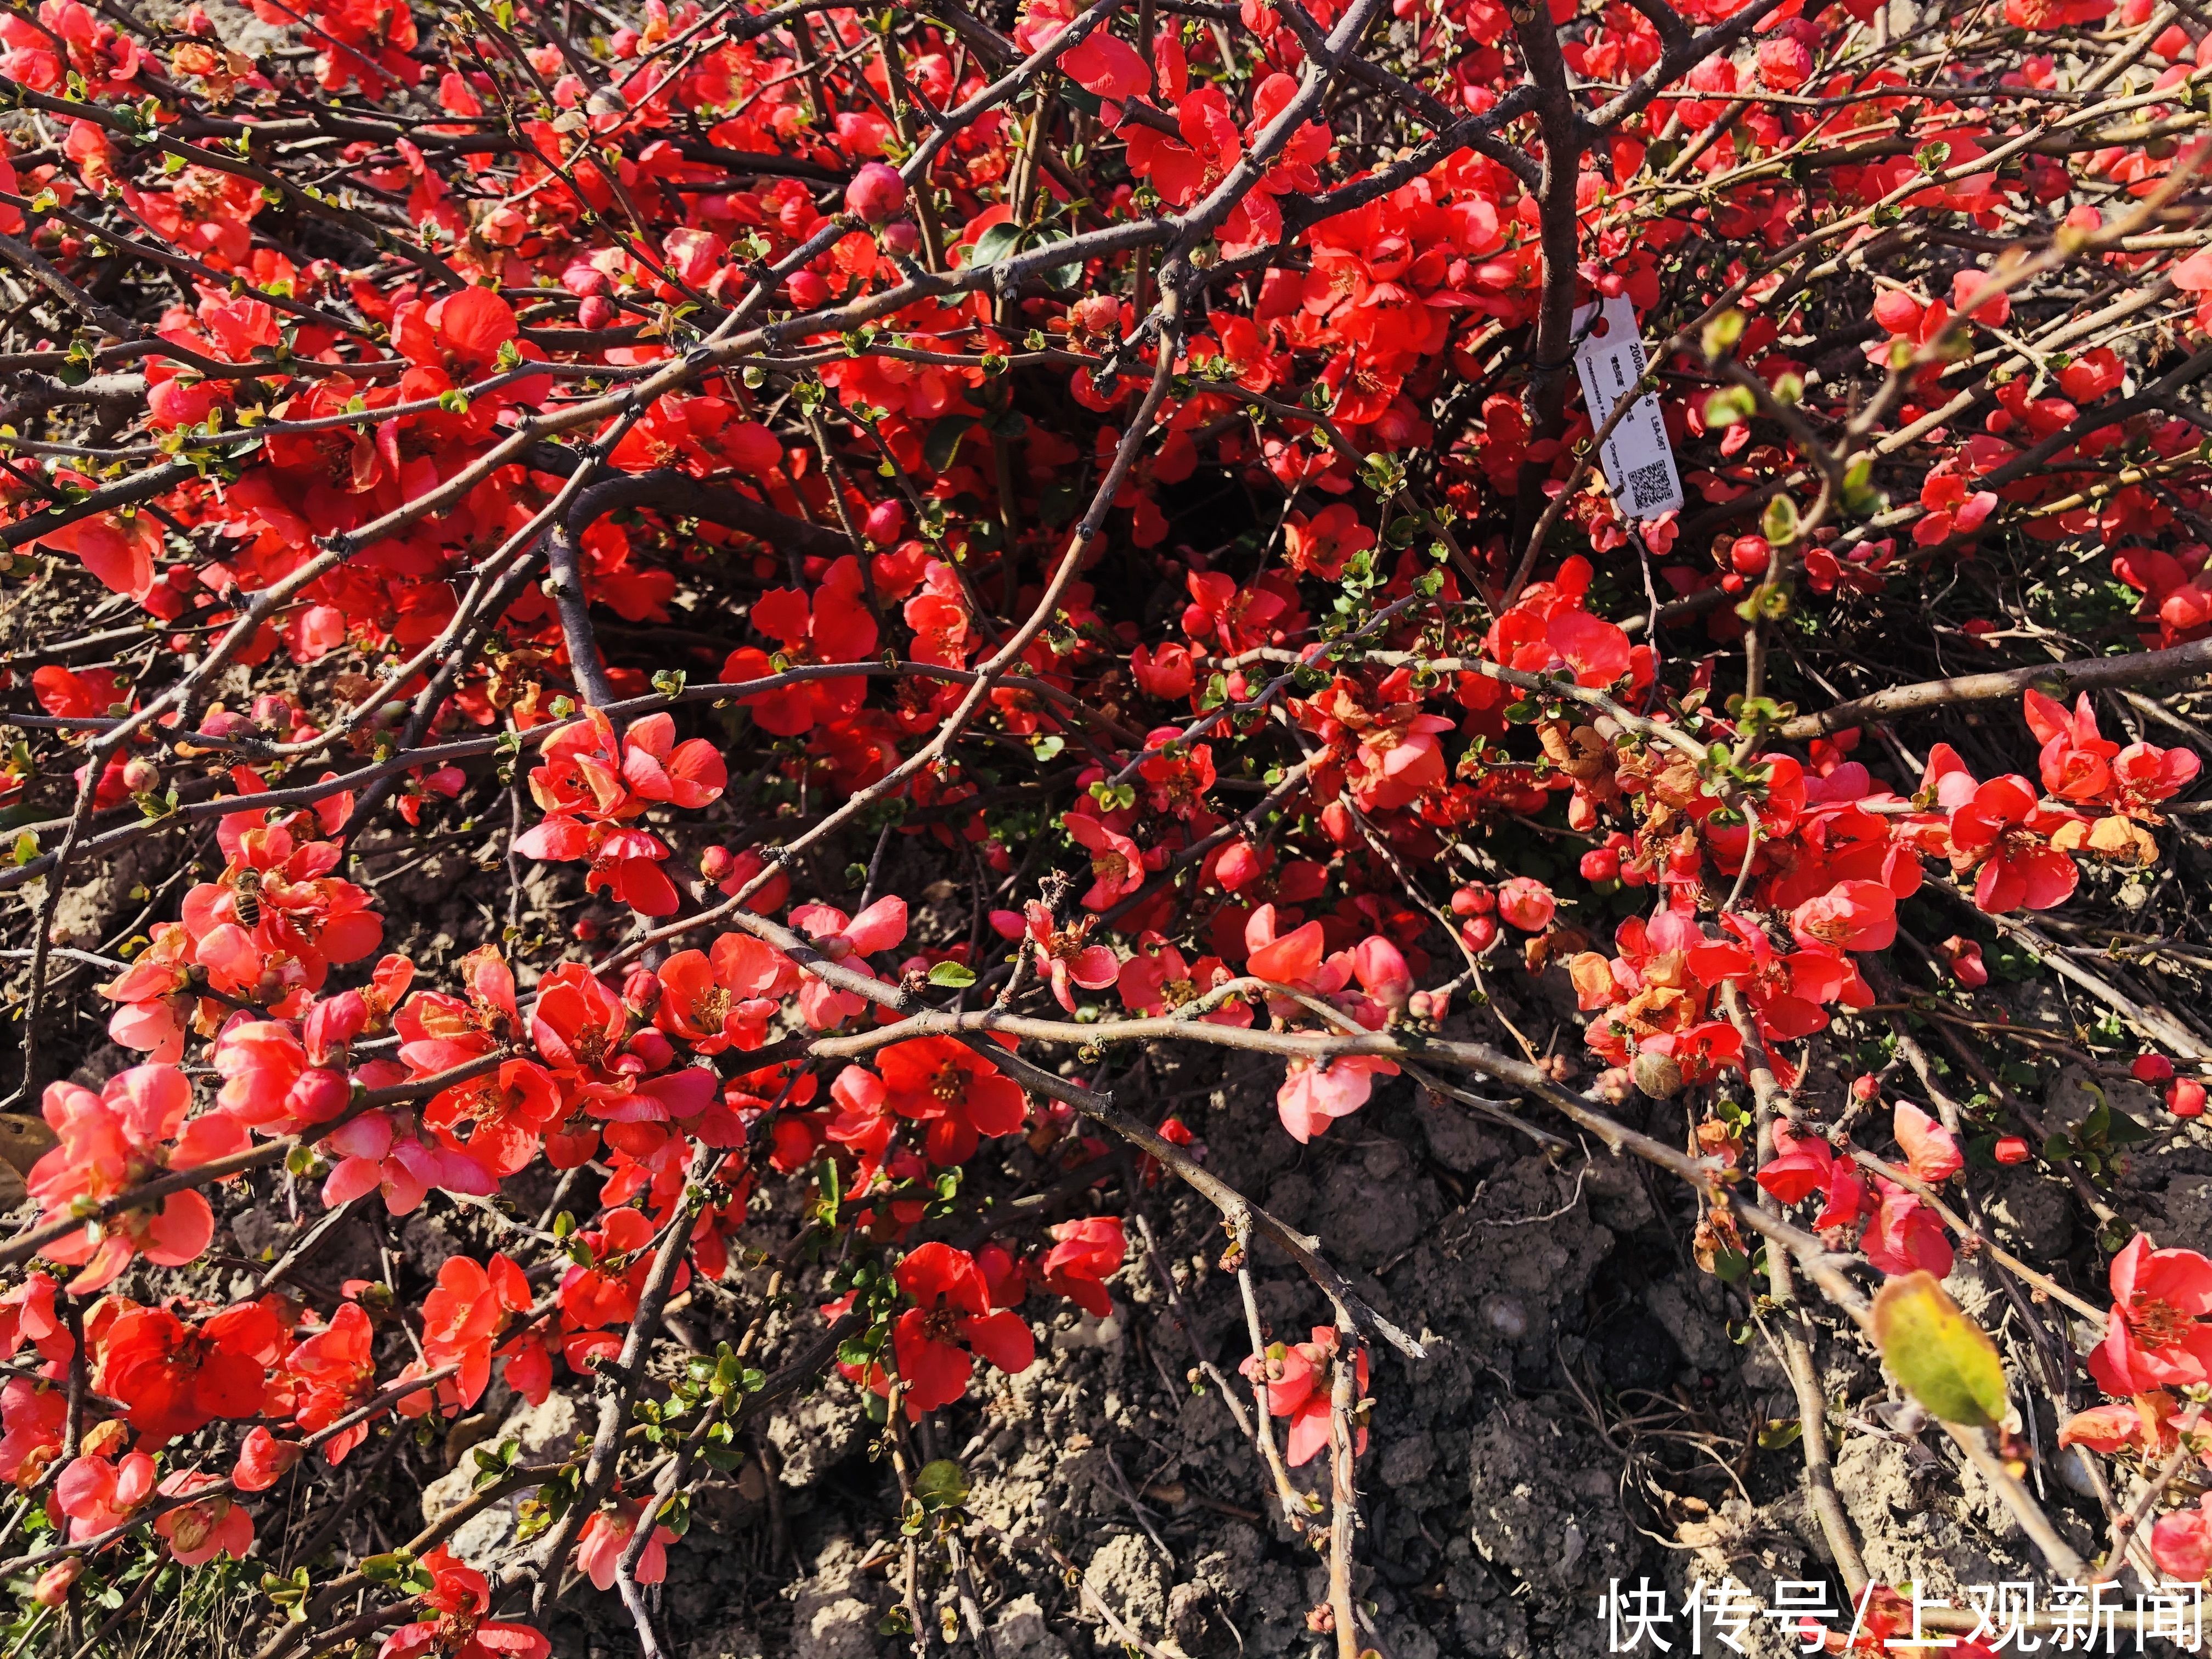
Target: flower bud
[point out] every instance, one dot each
(2185, 1098)
(1096, 314)
(53, 1586)
(640, 991)
(876, 193)
(806, 289)
(715, 864)
(1600, 863)
(886, 523)
(596, 311)
(654, 1049)
(1474, 900)
(141, 776)
(901, 236)
(1750, 555)
(2010, 1149)
(1866, 1088)
(1526, 903)
(1481, 933)
(2152, 1069)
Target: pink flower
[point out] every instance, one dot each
(1526, 903)
(1930, 1150)
(375, 1155)
(110, 1142)
(197, 1533)
(1315, 1094)
(1903, 1235)
(881, 926)
(606, 1536)
(98, 1496)
(2181, 1543)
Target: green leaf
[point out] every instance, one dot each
(1940, 1356)
(1779, 522)
(953, 974)
(995, 244)
(943, 441)
(941, 1485)
(1723, 332)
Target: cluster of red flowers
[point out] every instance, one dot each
(795, 347)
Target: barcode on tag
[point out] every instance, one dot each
(1638, 461)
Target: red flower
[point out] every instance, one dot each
(1299, 1387)
(1083, 1255)
(2075, 758)
(506, 1114)
(110, 1142)
(726, 999)
(957, 1092)
(1117, 868)
(175, 1377)
(2003, 830)
(460, 1596)
(333, 1371)
(462, 1320)
(2155, 1335)
(835, 627)
(953, 1316)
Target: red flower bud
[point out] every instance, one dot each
(1474, 900)
(806, 289)
(2152, 1069)
(596, 311)
(642, 991)
(876, 193)
(2185, 1098)
(2010, 1149)
(1751, 555)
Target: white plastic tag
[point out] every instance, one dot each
(1639, 462)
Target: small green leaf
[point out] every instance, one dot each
(1779, 522)
(1940, 1356)
(1723, 332)
(953, 974)
(941, 1485)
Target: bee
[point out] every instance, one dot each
(246, 897)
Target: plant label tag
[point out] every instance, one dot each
(1639, 462)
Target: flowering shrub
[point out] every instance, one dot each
(1093, 509)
